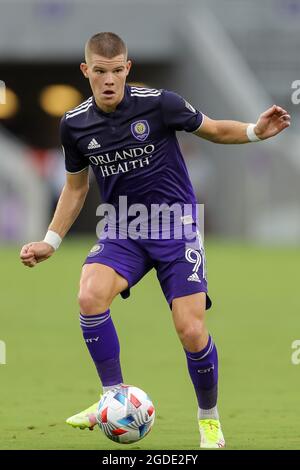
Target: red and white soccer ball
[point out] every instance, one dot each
(125, 414)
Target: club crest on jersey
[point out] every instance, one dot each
(96, 249)
(140, 130)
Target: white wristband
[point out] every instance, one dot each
(53, 239)
(251, 133)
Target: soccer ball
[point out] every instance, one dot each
(125, 414)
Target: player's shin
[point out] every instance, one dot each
(103, 344)
(203, 369)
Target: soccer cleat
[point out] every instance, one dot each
(85, 419)
(211, 436)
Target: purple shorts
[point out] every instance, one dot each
(180, 265)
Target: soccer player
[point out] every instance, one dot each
(127, 135)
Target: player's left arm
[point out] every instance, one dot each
(270, 123)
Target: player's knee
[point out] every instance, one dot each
(93, 303)
(191, 334)
(191, 329)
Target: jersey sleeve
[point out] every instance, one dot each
(178, 114)
(74, 161)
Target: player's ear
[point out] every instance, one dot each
(128, 67)
(84, 69)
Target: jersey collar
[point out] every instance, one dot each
(122, 105)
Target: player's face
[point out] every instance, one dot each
(107, 78)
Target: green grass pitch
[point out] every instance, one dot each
(49, 376)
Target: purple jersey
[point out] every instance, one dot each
(133, 151)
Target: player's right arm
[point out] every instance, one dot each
(68, 208)
(70, 202)
(178, 114)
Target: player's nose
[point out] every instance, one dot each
(109, 79)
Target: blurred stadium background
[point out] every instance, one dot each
(232, 59)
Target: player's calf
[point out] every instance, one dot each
(99, 284)
(202, 361)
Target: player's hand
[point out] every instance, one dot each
(35, 252)
(271, 122)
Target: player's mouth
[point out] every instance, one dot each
(108, 93)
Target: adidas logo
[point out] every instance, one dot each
(194, 277)
(93, 144)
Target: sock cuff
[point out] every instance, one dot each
(92, 321)
(208, 413)
(198, 356)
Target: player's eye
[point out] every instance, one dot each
(99, 72)
(118, 70)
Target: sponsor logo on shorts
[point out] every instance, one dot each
(194, 277)
(96, 250)
(140, 130)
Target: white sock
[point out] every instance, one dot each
(110, 387)
(212, 413)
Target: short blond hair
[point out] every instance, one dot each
(108, 45)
